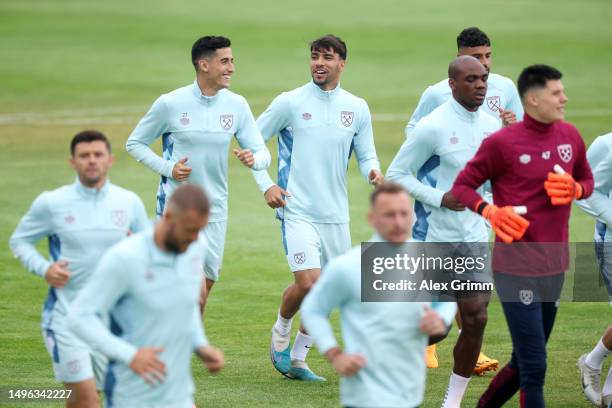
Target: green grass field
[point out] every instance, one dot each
(69, 65)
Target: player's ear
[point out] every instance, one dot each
(111, 160)
(342, 65)
(452, 83)
(203, 64)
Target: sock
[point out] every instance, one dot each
(456, 388)
(596, 357)
(607, 388)
(282, 325)
(301, 346)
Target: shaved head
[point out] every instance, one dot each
(461, 64)
(467, 78)
(189, 197)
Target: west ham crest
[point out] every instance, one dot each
(299, 258)
(346, 118)
(565, 152)
(119, 218)
(494, 103)
(526, 296)
(226, 121)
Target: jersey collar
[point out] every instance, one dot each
(158, 256)
(463, 113)
(91, 192)
(207, 100)
(326, 95)
(531, 123)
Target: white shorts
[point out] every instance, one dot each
(73, 361)
(214, 233)
(310, 245)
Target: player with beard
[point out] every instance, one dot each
(150, 285)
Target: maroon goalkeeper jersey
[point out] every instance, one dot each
(517, 160)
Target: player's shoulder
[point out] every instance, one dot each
(440, 90)
(122, 193)
(58, 194)
(232, 97)
(130, 248)
(500, 81)
(437, 117)
(178, 93)
(350, 97)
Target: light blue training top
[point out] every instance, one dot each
(318, 131)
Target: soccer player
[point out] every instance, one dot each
(150, 286)
(502, 102)
(519, 161)
(599, 204)
(319, 126)
(452, 133)
(590, 366)
(80, 221)
(382, 362)
(196, 123)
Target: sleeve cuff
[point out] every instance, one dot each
(125, 353)
(324, 345)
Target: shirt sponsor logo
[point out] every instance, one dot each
(525, 158)
(494, 103)
(546, 155)
(226, 121)
(565, 152)
(299, 258)
(346, 118)
(184, 119)
(526, 296)
(119, 218)
(306, 116)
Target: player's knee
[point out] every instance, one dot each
(532, 372)
(475, 322)
(304, 285)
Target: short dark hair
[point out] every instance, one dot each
(190, 197)
(536, 76)
(388, 187)
(472, 37)
(327, 42)
(87, 136)
(207, 45)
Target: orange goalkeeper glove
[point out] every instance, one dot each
(561, 187)
(507, 224)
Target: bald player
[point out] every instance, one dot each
(452, 133)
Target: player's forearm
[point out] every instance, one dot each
(199, 337)
(262, 158)
(143, 153)
(366, 166)
(319, 328)
(598, 205)
(29, 257)
(87, 326)
(419, 191)
(446, 310)
(263, 180)
(465, 189)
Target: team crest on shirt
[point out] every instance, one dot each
(526, 296)
(119, 218)
(184, 120)
(346, 118)
(494, 103)
(299, 258)
(226, 121)
(565, 152)
(454, 139)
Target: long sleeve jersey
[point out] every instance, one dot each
(517, 160)
(200, 128)
(599, 204)
(318, 131)
(450, 135)
(80, 223)
(152, 299)
(387, 334)
(501, 93)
